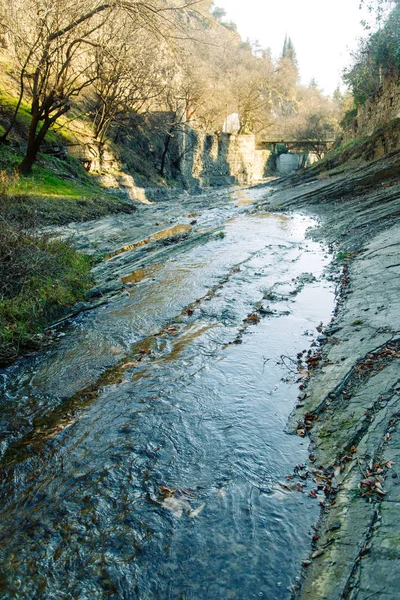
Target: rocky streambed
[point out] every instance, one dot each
(351, 406)
(144, 453)
(181, 437)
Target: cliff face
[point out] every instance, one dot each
(225, 159)
(380, 108)
(195, 160)
(379, 118)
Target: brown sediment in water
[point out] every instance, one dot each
(244, 201)
(64, 414)
(159, 235)
(140, 274)
(185, 339)
(269, 215)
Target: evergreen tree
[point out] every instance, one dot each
(289, 50)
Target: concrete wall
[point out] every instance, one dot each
(287, 163)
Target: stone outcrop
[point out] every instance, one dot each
(220, 159)
(97, 158)
(381, 108)
(350, 406)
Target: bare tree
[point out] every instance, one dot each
(130, 71)
(56, 42)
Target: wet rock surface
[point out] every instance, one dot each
(143, 453)
(350, 407)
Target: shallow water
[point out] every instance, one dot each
(142, 454)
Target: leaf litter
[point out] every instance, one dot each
(177, 502)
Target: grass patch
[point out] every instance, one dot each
(343, 255)
(45, 182)
(56, 192)
(52, 177)
(8, 104)
(39, 278)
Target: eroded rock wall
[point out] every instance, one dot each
(222, 159)
(380, 108)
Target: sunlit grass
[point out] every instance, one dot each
(43, 182)
(57, 179)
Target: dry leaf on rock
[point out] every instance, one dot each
(176, 505)
(194, 513)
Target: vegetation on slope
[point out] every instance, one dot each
(56, 192)
(39, 277)
(378, 55)
(179, 60)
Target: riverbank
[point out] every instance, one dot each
(153, 428)
(200, 301)
(350, 407)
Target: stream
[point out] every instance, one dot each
(143, 453)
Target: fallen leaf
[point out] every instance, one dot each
(254, 318)
(370, 482)
(176, 505)
(166, 491)
(379, 489)
(196, 511)
(171, 329)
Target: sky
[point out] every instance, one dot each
(323, 32)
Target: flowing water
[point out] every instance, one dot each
(142, 455)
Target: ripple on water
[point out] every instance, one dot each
(150, 400)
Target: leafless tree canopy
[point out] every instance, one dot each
(132, 56)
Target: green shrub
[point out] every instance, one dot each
(348, 118)
(377, 56)
(39, 278)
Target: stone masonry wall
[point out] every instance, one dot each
(222, 159)
(381, 108)
(202, 160)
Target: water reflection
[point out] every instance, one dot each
(154, 447)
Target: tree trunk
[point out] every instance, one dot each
(166, 148)
(34, 142)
